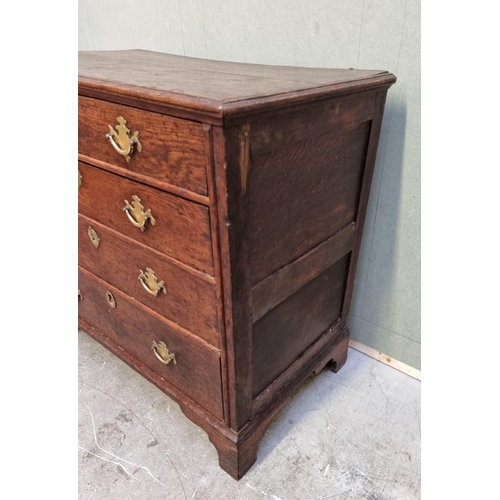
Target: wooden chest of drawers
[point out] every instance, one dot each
(221, 209)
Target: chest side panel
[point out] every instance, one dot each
(304, 188)
(303, 184)
(292, 326)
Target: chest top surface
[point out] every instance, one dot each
(217, 87)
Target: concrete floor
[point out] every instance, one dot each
(351, 435)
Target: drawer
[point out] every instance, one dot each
(189, 301)
(172, 149)
(181, 228)
(196, 371)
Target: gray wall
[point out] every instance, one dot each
(365, 34)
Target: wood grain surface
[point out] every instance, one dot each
(291, 278)
(215, 225)
(334, 116)
(133, 328)
(232, 154)
(334, 333)
(284, 333)
(213, 88)
(182, 229)
(364, 190)
(258, 178)
(301, 195)
(190, 301)
(172, 149)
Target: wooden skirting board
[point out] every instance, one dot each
(373, 353)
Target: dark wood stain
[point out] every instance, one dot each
(291, 278)
(301, 195)
(232, 159)
(290, 328)
(197, 372)
(363, 201)
(217, 252)
(330, 117)
(334, 334)
(258, 178)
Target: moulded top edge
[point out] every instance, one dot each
(212, 87)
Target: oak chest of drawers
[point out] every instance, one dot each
(221, 209)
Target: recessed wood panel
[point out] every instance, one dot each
(289, 329)
(301, 195)
(288, 280)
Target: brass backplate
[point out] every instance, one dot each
(121, 141)
(110, 299)
(93, 237)
(136, 213)
(150, 282)
(163, 354)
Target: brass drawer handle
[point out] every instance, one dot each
(80, 295)
(162, 353)
(136, 214)
(80, 178)
(150, 282)
(120, 140)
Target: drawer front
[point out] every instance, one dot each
(197, 370)
(181, 228)
(187, 300)
(172, 149)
